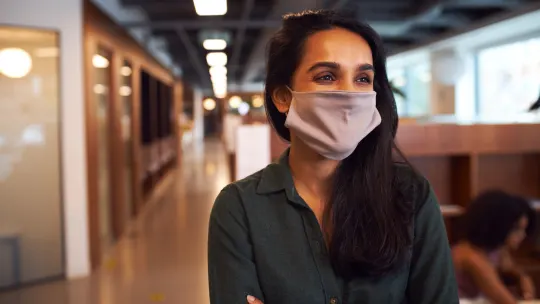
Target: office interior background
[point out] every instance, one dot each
(120, 120)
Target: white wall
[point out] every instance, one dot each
(198, 116)
(66, 16)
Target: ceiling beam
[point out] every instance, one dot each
(480, 4)
(194, 57)
(196, 24)
(256, 61)
(339, 4)
(240, 34)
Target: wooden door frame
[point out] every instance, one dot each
(100, 30)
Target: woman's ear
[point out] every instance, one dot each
(282, 99)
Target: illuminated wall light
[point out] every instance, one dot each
(100, 62)
(100, 89)
(125, 71)
(235, 101)
(257, 101)
(217, 71)
(210, 7)
(125, 91)
(216, 59)
(15, 62)
(243, 108)
(209, 104)
(215, 44)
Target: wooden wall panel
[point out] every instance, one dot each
(514, 173)
(438, 170)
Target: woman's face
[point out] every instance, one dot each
(335, 59)
(518, 233)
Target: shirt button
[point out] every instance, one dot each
(333, 301)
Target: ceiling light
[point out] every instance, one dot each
(220, 92)
(217, 71)
(214, 44)
(125, 71)
(209, 104)
(124, 91)
(216, 59)
(243, 108)
(100, 62)
(222, 81)
(210, 7)
(15, 62)
(257, 101)
(235, 101)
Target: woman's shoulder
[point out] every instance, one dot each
(246, 190)
(411, 185)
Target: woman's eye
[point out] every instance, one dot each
(325, 78)
(364, 80)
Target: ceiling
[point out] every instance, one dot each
(401, 23)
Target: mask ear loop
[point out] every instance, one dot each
(291, 91)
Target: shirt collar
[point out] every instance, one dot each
(278, 177)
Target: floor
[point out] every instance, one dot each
(162, 258)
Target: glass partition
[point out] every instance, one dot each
(31, 244)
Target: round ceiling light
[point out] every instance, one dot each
(15, 62)
(257, 101)
(235, 101)
(209, 104)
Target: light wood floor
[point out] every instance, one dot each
(162, 259)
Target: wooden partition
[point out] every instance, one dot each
(153, 128)
(461, 161)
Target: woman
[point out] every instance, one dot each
(336, 220)
(496, 223)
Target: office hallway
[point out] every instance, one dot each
(162, 258)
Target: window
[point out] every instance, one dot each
(508, 78)
(413, 82)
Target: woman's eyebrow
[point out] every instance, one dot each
(324, 64)
(366, 67)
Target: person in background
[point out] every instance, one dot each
(336, 219)
(496, 224)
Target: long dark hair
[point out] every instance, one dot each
(492, 215)
(368, 217)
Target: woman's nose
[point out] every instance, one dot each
(346, 85)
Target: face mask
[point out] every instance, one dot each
(333, 122)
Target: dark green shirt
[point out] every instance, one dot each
(265, 241)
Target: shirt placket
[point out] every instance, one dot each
(319, 252)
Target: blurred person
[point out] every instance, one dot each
(496, 224)
(337, 219)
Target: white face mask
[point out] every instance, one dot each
(332, 123)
